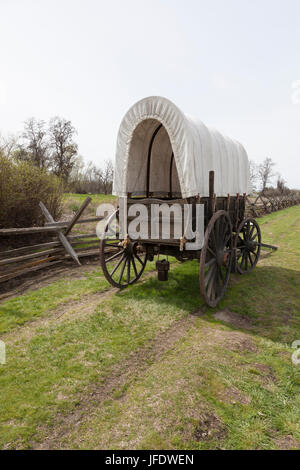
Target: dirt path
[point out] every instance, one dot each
(134, 369)
(71, 310)
(123, 373)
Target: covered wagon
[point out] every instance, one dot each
(165, 157)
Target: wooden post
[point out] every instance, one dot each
(211, 191)
(64, 241)
(228, 203)
(214, 203)
(77, 215)
(237, 209)
(244, 203)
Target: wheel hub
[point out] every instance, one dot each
(221, 257)
(250, 244)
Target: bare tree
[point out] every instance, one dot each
(97, 179)
(76, 177)
(35, 147)
(90, 179)
(253, 174)
(281, 185)
(107, 177)
(9, 145)
(265, 172)
(64, 149)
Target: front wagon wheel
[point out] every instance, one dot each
(122, 261)
(247, 245)
(216, 258)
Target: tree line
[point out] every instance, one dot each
(262, 176)
(52, 147)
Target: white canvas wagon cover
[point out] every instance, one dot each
(157, 123)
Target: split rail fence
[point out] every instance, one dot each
(30, 258)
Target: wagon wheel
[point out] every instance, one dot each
(122, 261)
(216, 258)
(247, 245)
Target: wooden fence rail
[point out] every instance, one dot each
(26, 259)
(263, 204)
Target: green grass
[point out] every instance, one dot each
(214, 385)
(72, 203)
(37, 303)
(96, 198)
(43, 302)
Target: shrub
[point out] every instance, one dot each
(22, 187)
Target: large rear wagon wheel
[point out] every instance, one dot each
(122, 261)
(216, 258)
(247, 245)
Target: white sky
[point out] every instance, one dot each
(229, 62)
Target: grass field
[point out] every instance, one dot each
(73, 201)
(152, 366)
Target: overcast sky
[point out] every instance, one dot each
(232, 63)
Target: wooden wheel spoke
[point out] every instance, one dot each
(114, 256)
(210, 262)
(213, 238)
(128, 269)
(211, 283)
(225, 234)
(218, 284)
(134, 266)
(210, 275)
(115, 245)
(211, 251)
(221, 275)
(221, 231)
(227, 238)
(248, 226)
(254, 236)
(117, 265)
(246, 259)
(243, 257)
(218, 230)
(241, 246)
(122, 271)
(251, 231)
(138, 258)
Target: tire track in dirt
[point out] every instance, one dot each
(70, 310)
(122, 373)
(130, 370)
